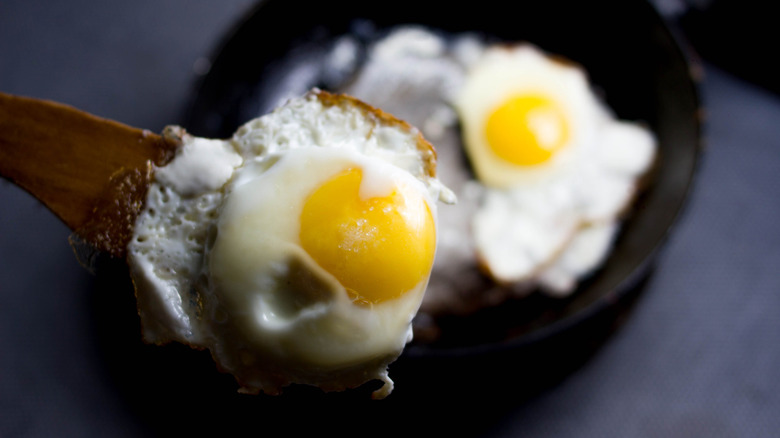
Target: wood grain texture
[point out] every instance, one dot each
(93, 173)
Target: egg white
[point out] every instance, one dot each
(255, 270)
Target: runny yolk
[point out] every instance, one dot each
(526, 130)
(377, 248)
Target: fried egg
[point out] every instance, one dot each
(552, 157)
(309, 263)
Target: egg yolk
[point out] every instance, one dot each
(526, 130)
(377, 248)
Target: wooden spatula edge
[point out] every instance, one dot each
(92, 173)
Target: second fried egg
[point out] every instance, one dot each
(552, 157)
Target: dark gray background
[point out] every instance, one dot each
(699, 354)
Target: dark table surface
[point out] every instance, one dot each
(697, 355)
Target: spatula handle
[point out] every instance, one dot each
(93, 173)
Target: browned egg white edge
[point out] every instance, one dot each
(426, 149)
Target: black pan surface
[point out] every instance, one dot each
(633, 59)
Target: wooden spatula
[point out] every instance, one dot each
(93, 173)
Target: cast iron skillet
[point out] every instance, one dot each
(632, 58)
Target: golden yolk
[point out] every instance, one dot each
(377, 248)
(526, 130)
